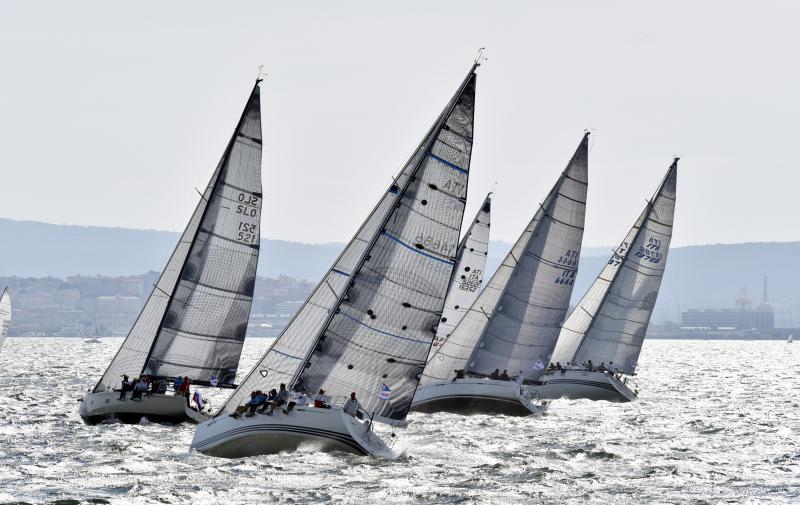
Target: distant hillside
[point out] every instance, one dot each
(697, 276)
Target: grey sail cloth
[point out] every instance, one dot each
(464, 289)
(517, 316)
(195, 320)
(369, 321)
(5, 315)
(609, 324)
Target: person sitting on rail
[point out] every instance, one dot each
(256, 401)
(270, 399)
(459, 375)
(351, 405)
(320, 400)
(504, 376)
(283, 396)
(495, 375)
(241, 408)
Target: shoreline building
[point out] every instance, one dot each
(741, 317)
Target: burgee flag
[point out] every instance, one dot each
(385, 392)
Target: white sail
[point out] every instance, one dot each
(194, 322)
(5, 315)
(517, 316)
(464, 289)
(369, 321)
(609, 323)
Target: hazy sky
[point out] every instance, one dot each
(111, 113)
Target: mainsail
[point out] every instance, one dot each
(194, 322)
(516, 318)
(609, 324)
(370, 320)
(464, 289)
(5, 315)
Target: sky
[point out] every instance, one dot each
(112, 113)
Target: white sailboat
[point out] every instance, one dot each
(193, 324)
(368, 325)
(790, 339)
(513, 324)
(600, 342)
(5, 315)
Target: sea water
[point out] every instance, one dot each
(716, 422)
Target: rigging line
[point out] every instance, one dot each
(170, 297)
(424, 216)
(401, 286)
(661, 270)
(335, 294)
(562, 195)
(553, 264)
(201, 194)
(624, 319)
(381, 331)
(418, 251)
(564, 223)
(447, 163)
(404, 359)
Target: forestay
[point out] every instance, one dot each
(370, 321)
(609, 324)
(464, 289)
(517, 316)
(195, 320)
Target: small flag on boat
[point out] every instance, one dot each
(213, 381)
(385, 392)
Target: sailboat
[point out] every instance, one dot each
(600, 342)
(368, 325)
(513, 324)
(193, 324)
(790, 339)
(5, 315)
(467, 279)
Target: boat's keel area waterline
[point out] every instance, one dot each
(479, 396)
(105, 405)
(583, 384)
(325, 429)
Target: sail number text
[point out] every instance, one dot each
(247, 205)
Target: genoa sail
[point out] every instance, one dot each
(195, 320)
(5, 315)
(609, 323)
(464, 289)
(516, 319)
(370, 320)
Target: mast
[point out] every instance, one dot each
(214, 183)
(610, 278)
(209, 266)
(537, 250)
(378, 266)
(375, 236)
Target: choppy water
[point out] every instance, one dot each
(717, 422)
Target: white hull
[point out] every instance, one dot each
(582, 384)
(97, 407)
(479, 396)
(323, 429)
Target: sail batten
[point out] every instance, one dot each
(367, 323)
(609, 323)
(516, 318)
(191, 325)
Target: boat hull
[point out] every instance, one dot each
(478, 396)
(102, 406)
(582, 384)
(322, 429)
